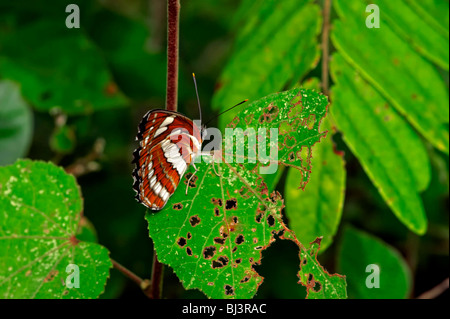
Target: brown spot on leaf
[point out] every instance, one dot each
(51, 275)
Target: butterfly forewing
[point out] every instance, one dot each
(168, 143)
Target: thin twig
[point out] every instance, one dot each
(87, 163)
(435, 291)
(173, 10)
(143, 283)
(325, 46)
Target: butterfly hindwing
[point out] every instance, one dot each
(168, 142)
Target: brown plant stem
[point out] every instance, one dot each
(173, 14)
(325, 46)
(155, 290)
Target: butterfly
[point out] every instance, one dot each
(169, 143)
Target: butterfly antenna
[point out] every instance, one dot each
(198, 99)
(226, 111)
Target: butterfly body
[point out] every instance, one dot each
(169, 142)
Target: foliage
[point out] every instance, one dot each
(362, 176)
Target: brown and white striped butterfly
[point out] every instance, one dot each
(169, 142)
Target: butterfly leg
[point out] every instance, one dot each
(214, 168)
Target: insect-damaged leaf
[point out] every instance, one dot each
(40, 218)
(213, 236)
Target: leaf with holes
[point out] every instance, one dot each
(40, 218)
(213, 237)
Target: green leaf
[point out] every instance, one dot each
(16, 123)
(389, 150)
(72, 77)
(319, 283)
(40, 213)
(277, 44)
(408, 22)
(62, 139)
(434, 12)
(409, 82)
(213, 237)
(316, 211)
(359, 250)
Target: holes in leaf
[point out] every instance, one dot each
(219, 240)
(216, 211)
(191, 180)
(231, 204)
(239, 239)
(216, 201)
(209, 252)
(194, 220)
(189, 236)
(220, 262)
(270, 221)
(291, 157)
(181, 242)
(258, 247)
(238, 261)
(245, 279)
(223, 259)
(229, 290)
(189, 251)
(178, 206)
(317, 286)
(234, 249)
(258, 218)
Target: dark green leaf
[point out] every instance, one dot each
(61, 69)
(16, 123)
(359, 250)
(408, 82)
(390, 151)
(277, 44)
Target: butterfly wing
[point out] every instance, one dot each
(168, 141)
